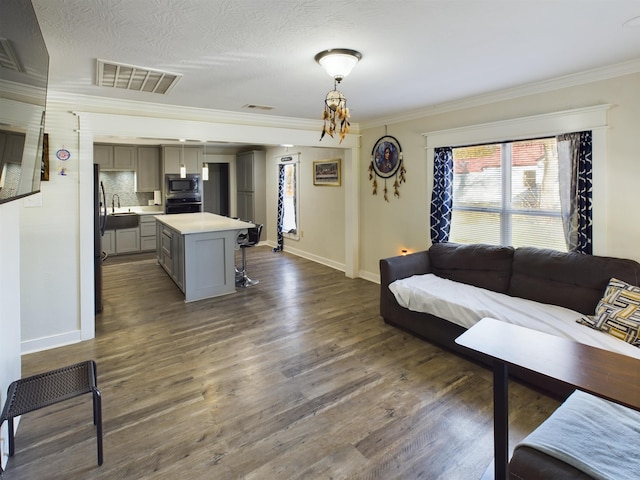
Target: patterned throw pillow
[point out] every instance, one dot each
(618, 312)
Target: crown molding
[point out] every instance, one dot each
(22, 92)
(576, 79)
(89, 103)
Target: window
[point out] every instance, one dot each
(290, 217)
(288, 194)
(507, 194)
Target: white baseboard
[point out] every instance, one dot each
(310, 256)
(53, 341)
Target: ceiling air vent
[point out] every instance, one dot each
(253, 106)
(8, 58)
(130, 77)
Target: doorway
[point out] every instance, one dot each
(216, 189)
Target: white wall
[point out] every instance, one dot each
(386, 228)
(50, 254)
(10, 367)
(321, 221)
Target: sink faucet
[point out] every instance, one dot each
(113, 202)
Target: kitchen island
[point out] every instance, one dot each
(197, 250)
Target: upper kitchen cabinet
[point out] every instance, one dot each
(115, 157)
(251, 186)
(174, 156)
(148, 169)
(11, 147)
(103, 156)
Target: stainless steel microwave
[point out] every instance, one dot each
(190, 186)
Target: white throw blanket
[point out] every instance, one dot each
(594, 435)
(466, 305)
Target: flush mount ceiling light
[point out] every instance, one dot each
(338, 63)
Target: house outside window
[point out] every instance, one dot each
(507, 193)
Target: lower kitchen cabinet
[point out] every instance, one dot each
(147, 233)
(131, 240)
(109, 242)
(128, 240)
(171, 253)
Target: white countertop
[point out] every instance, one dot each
(139, 209)
(186, 223)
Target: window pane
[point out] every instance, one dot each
(289, 218)
(477, 176)
(534, 175)
(507, 194)
(475, 227)
(537, 231)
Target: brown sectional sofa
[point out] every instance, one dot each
(570, 280)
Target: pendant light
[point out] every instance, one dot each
(338, 63)
(183, 168)
(205, 165)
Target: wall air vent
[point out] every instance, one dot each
(253, 106)
(8, 58)
(130, 77)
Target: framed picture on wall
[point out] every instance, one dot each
(326, 172)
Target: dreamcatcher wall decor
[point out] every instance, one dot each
(386, 162)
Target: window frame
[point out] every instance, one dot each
(293, 159)
(592, 118)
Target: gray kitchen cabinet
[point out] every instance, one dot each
(147, 233)
(109, 242)
(148, 169)
(103, 156)
(177, 254)
(251, 186)
(171, 253)
(11, 147)
(173, 157)
(127, 240)
(124, 157)
(114, 157)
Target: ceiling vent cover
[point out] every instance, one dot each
(253, 106)
(130, 77)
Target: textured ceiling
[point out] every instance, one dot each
(416, 53)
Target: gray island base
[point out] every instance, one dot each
(197, 250)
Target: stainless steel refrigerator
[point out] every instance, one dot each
(99, 222)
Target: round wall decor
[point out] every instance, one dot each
(386, 162)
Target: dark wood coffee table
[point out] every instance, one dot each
(600, 372)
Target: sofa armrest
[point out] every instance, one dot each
(394, 268)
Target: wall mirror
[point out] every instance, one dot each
(24, 67)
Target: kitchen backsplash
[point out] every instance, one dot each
(123, 183)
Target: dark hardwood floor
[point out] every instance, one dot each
(297, 377)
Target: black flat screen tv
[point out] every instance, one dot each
(24, 68)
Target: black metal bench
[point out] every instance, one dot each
(38, 391)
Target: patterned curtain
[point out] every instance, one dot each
(280, 245)
(442, 196)
(575, 181)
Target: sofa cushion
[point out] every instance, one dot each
(484, 266)
(572, 280)
(618, 312)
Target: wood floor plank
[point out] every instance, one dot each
(297, 377)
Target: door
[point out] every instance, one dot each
(216, 189)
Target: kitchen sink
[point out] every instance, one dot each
(118, 221)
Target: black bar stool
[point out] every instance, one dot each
(38, 391)
(246, 241)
